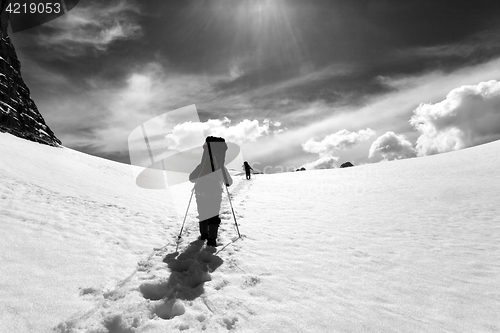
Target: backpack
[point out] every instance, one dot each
(217, 148)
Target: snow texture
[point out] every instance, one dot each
(406, 246)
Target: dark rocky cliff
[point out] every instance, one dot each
(18, 113)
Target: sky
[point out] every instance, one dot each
(294, 83)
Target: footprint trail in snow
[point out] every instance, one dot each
(176, 290)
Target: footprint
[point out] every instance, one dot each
(116, 324)
(170, 309)
(88, 291)
(221, 284)
(360, 254)
(183, 327)
(154, 292)
(251, 281)
(230, 322)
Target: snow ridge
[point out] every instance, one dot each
(405, 246)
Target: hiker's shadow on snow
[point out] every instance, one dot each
(189, 271)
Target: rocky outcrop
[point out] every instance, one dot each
(346, 165)
(18, 113)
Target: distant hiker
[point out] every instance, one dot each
(209, 176)
(247, 169)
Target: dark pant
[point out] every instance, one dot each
(248, 174)
(208, 214)
(210, 227)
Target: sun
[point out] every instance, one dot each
(264, 8)
(274, 30)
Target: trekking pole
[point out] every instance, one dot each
(185, 215)
(234, 215)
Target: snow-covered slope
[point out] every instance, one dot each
(404, 246)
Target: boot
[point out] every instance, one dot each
(212, 234)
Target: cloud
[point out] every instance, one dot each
(324, 162)
(468, 116)
(483, 42)
(111, 111)
(104, 112)
(92, 27)
(387, 112)
(340, 140)
(392, 146)
(245, 130)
